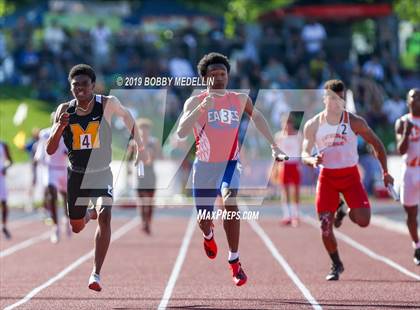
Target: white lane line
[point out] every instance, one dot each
(392, 225)
(311, 221)
(283, 263)
(25, 244)
(179, 262)
(115, 236)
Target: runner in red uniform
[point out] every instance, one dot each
(334, 133)
(289, 172)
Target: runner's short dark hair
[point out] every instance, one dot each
(82, 69)
(334, 85)
(211, 59)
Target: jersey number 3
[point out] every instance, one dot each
(85, 139)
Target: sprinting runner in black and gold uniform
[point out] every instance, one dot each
(88, 140)
(84, 124)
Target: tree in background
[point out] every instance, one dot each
(408, 10)
(236, 11)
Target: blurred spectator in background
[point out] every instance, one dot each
(295, 51)
(394, 81)
(180, 66)
(374, 68)
(318, 67)
(6, 62)
(394, 107)
(101, 36)
(313, 35)
(290, 140)
(29, 61)
(22, 34)
(275, 72)
(30, 148)
(3, 51)
(54, 37)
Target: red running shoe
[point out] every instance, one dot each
(210, 247)
(285, 221)
(238, 274)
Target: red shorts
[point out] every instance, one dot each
(289, 174)
(332, 182)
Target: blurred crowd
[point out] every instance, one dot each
(265, 57)
(262, 57)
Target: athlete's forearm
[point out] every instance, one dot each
(380, 154)
(403, 143)
(187, 121)
(54, 139)
(262, 125)
(130, 124)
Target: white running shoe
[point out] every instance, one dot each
(55, 235)
(94, 282)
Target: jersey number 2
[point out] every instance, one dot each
(344, 127)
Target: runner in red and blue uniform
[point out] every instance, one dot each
(214, 116)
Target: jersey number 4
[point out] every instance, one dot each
(85, 139)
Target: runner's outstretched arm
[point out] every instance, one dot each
(261, 124)
(61, 120)
(114, 107)
(362, 128)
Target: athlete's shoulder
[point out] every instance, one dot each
(311, 126)
(399, 123)
(62, 107)
(314, 121)
(199, 96)
(356, 119)
(243, 97)
(104, 99)
(354, 115)
(193, 101)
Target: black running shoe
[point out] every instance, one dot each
(335, 271)
(417, 257)
(339, 214)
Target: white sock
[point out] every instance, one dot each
(286, 211)
(416, 245)
(209, 236)
(233, 256)
(294, 211)
(95, 274)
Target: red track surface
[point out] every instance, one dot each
(138, 267)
